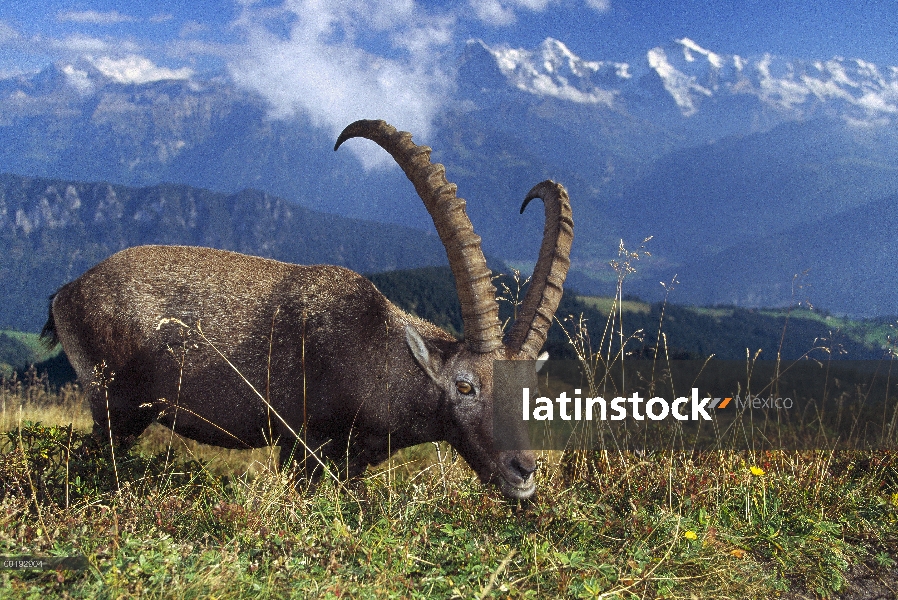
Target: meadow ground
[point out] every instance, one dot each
(172, 518)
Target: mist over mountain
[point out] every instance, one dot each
(725, 160)
(853, 255)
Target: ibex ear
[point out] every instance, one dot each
(541, 360)
(428, 357)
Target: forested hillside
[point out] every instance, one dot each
(690, 332)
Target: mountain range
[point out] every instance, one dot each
(53, 230)
(746, 171)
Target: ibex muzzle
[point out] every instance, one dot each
(239, 351)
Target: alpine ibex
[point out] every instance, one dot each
(275, 351)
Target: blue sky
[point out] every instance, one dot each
(336, 60)
(201, 32)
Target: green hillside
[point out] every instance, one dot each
(18, 349)
(691, 332)
(13, 351)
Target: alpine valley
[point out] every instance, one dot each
(762, 180)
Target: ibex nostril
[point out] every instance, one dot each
(524, 470)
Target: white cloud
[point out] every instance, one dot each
(492, 12)
(80, 43)
(599, 5)
(190, 28)
(8, 34)
(137, 69)
(188, 50)
(502, 12)
(534, 5)
(94, 17)
(317, 66)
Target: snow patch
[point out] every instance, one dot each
(690, 73)
(137, 69)
(553, 70)
(78, 79)
(679, 85)
(689, 47)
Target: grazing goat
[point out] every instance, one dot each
(239, 351)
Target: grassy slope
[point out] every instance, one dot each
(863, 338)
(172, 518)
(604, 525)
(18, 350)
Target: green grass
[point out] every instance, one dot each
(603, 525)
(606, 304)
(19, 349)
(882, 332)
(721, 313)
(172, 518)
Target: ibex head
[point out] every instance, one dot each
(464, 371)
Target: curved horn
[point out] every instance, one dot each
(528, 334)
(473, 282)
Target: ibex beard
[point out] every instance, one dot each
(240, 351)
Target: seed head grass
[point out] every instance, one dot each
(227, 524)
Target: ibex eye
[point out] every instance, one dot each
(464, 387)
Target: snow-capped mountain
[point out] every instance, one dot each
(691, 75)
(554, 71)
(705, 151)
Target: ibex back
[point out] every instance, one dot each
(239, 351)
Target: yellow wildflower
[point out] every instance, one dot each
(757, 471)
(690, 535)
